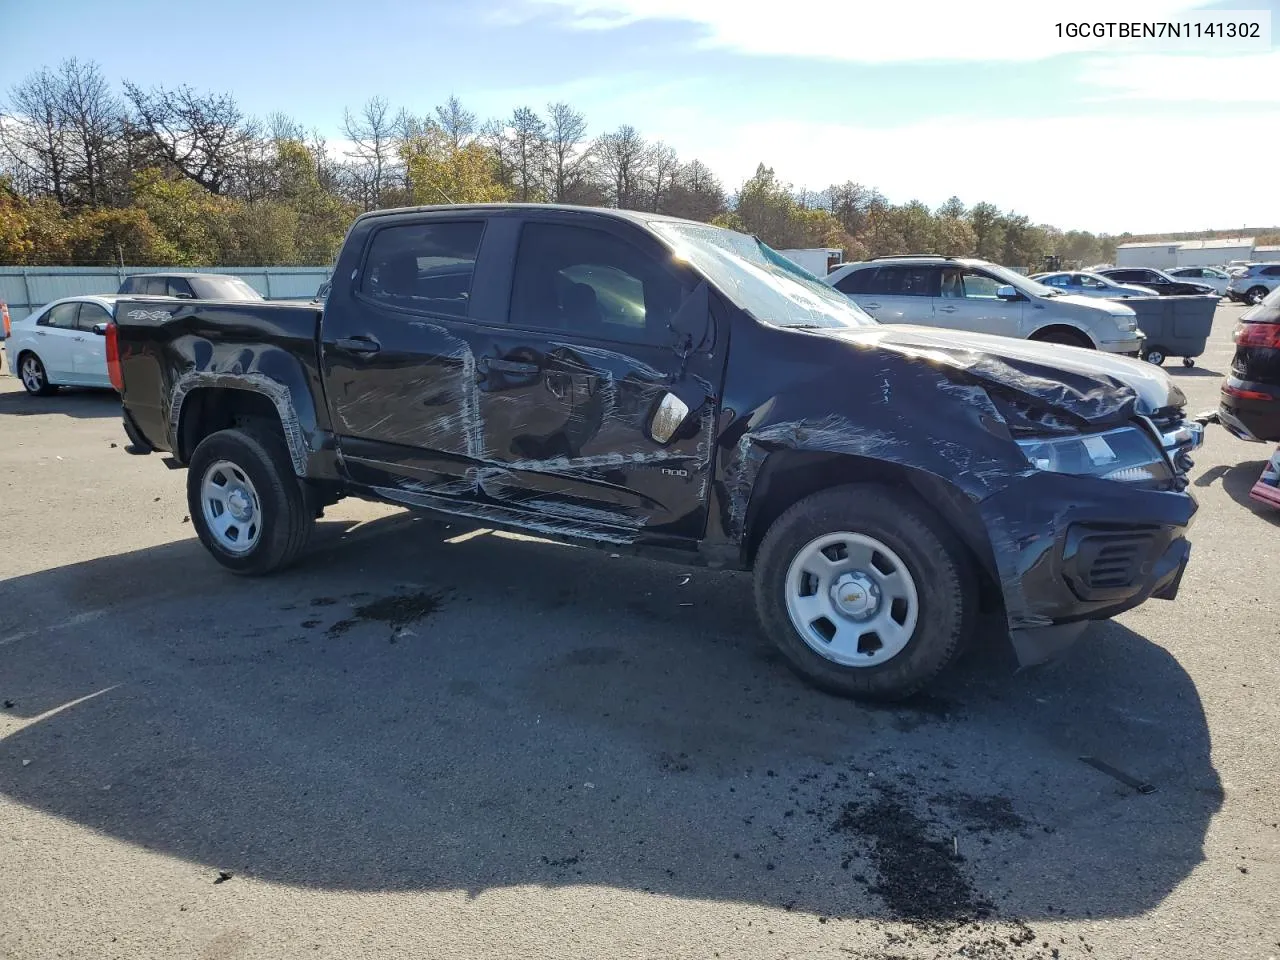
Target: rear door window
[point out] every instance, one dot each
(905, 281)
(179, 287)
(63, 316)
(425, 267)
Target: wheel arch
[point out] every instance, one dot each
(788, 476)
(204, 403)
(1064, 327)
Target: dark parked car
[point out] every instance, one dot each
(1157, 280)
(190, 286)
(624, 379)
(1250, 405)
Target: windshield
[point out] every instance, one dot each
(759, 279)
(224, 288)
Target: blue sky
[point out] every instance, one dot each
(921, 99)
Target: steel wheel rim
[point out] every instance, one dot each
(32, 375)
(852, 599)
(231, 508)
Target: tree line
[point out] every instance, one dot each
(92, 174)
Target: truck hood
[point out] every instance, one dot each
(1088, 385)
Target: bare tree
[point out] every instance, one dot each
(375, 143)
(201, 135)
(493, 134)
(528, 138)
(623, 157)
(566, 129)
(33, 137)
(663, 167)
(92, 117)
(458, 124)
(696, 193)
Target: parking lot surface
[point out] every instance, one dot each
(433, 741)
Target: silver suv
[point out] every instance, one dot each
(1255, 283)
(967, 294)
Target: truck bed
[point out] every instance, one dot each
(167, 347)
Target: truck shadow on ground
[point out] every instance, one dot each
(1237, 480)
(82, 403)
(520, 712)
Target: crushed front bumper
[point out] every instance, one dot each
(1072, 549)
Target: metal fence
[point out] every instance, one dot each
(28, 288)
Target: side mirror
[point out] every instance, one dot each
(100, 329)
(1007, 291)
(673, 409)
(691, 323)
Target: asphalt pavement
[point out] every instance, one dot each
(434, 741)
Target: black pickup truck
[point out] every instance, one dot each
(635, 381)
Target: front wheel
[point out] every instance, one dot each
(865, 592)
(247, 506)
(34, 377)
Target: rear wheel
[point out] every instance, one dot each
(1255, 295)
(1155, 355)
(247, 505)
(34, 376)
(864, 591)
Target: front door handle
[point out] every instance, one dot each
(78, 339)
(948, 309)
(872, 306)
(509, 366)
(358, 344)
(41, 333)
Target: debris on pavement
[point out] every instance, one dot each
(223, 876)
(1127, 779)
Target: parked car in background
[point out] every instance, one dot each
(612, 378)
(1253, 285)
(975, 295)
(1087, 284)
(62, 344)
(189, 286)
(1209, 276)
(1157, 280)
(1250, 402)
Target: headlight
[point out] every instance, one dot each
(1127, 454)
(1127, 323)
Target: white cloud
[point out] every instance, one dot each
(907, 31)
(1183, 79)
(1085, 172)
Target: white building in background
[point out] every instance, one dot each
(1167, 254)
(817, 260)
(1267, 254)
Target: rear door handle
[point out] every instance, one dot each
(358, 344)
(872, 306)
(948, 309)
(41, 333)
(510, 366)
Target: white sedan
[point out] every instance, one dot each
(62, 344)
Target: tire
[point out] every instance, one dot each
(1067, 338)
(1188, 362)
(254, 464)
(1155, 355)
(936, 565)
(34, 377)
(1255, 295)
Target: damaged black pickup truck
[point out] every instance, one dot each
(630, 380)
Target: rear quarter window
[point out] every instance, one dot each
(425, 267)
